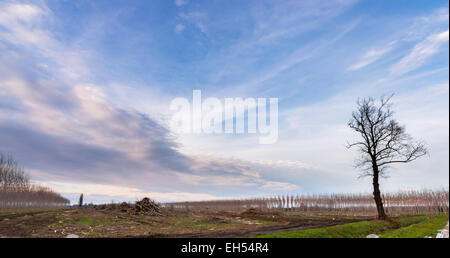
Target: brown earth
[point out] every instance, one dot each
(123, 221)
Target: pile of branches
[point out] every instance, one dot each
(145, 206)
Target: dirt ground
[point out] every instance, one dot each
(106, 223)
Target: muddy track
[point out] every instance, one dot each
(13, 226)
(252, 232)
(18, 215)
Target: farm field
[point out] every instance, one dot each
(90, 222)
(411, 214)
(93, 223)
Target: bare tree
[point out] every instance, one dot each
(11, 174)
(383, 142)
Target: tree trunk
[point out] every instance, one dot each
(377, 193)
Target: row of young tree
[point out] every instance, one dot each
(408, 202)
(16, 190)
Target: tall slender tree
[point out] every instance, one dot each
(80, 201)
(382, 142)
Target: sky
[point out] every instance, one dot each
(85, 90)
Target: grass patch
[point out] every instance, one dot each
(194, 223)
(89, 221)
(350, 230)
(401, 227)
(429, 227)
(41, 214)
(85, 221)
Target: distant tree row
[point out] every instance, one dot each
(16, 190)
(406, 202)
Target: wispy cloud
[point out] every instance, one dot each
(24, 25)
(372, 56)
(420, 53)
(274, 22)
(424, 25)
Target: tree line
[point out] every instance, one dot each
(17, 191)
(404, 202)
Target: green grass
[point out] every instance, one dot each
(418, 226)
(425, 228)
(188, 223)
(350, 230)
(196, 224)
(85, 221)
(88, 221)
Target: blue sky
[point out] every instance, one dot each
(85, 89)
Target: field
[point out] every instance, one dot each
(93, 223)
(411, 214)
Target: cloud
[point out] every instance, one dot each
(196, 18)
(420, 53)
(91, 191)
(181, 2)
(423, 26)
(216, 180)
(179, 28)
(279, 186)
(274, 22)
(372, 56)
(24, 25)
(300, 55)
(68, 125)
(68, 130)
(219, 170)
(14, 13)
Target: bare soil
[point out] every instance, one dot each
(92, 222)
